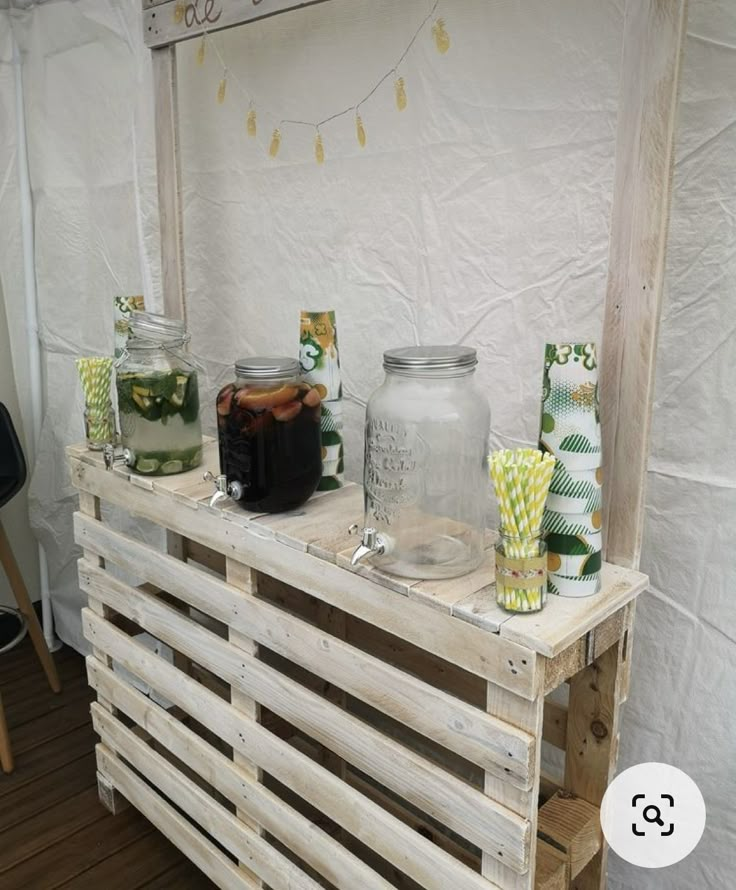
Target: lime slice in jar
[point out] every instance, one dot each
(178, 395)
(147, 465)
(172, 466)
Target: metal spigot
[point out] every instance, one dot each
(372, 543)
(112, 457)
(223, 488)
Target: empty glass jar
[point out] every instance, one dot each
(425, 470)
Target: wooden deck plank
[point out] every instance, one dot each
(64, 860)
(47, 758)
(47, 827)
(184, 876)
(147, 859)
(53, 831)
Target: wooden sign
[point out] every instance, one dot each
(166, 22)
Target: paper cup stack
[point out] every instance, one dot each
(320, 362)
(571, 432)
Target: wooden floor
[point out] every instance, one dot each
(53, 831)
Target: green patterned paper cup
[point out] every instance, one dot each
(572, 523)
(561, 585)
(575, 566)
(574, 545)
(319, 358)
(570, 422)
(579, 492)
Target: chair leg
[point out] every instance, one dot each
(17, 585)
(6, 754)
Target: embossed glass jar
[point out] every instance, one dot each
(425, 470)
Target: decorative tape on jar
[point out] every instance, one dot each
(578, 492)
(572, 523)
(561, 585)
(581, 566)
(574, 545)
(525, 573)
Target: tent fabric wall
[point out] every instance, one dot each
(480, 215)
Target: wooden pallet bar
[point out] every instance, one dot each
(333, 724)
(410, 734)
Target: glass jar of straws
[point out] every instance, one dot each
(521, 479)
(521, 573)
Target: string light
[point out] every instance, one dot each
(442, 44)
(251, 124)
(441, 37)
(275, 145)
(319, 149)
(360, 130)
(400, 89)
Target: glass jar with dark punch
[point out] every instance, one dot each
(269, 435)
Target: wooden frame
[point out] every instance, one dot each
(408, 715)
(405, 755)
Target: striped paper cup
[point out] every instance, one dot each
(574, 545)
(561, 585)
(579, 492)
(579, 566)
(572, 523)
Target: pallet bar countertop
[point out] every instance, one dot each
(320, 529)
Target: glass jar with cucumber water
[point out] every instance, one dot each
(158, 397)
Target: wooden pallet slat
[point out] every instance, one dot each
(173, 825)
(454, 640)
(418, 858)
(462, 728)
(262, 858)
(460, 807)
(573, 826)
(307, 840)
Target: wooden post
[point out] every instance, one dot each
(529, 716)
(168, 171)
(246, 579)
(594, 715)
(90, 505)
(653, 38)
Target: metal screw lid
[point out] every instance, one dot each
(268, 367)
(418, 359)
(150, 326)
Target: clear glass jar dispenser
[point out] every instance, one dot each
(268, 425)
(158, 398)
(425, 468)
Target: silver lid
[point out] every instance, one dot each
(268, 367)
(149, 326)
(418, 359)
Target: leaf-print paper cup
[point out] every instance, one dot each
(579, 492)
(570, 422)
(561, 585)
(581, 566)
(572, 523)
(574, 545)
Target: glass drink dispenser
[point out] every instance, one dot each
(425, 467)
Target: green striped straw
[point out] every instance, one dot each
(521, 479)
(96, 375)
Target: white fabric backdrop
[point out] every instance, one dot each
(480, 216)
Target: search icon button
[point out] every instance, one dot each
(657, 819)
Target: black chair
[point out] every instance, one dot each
(13, 472)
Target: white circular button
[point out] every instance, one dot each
(653, 815)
